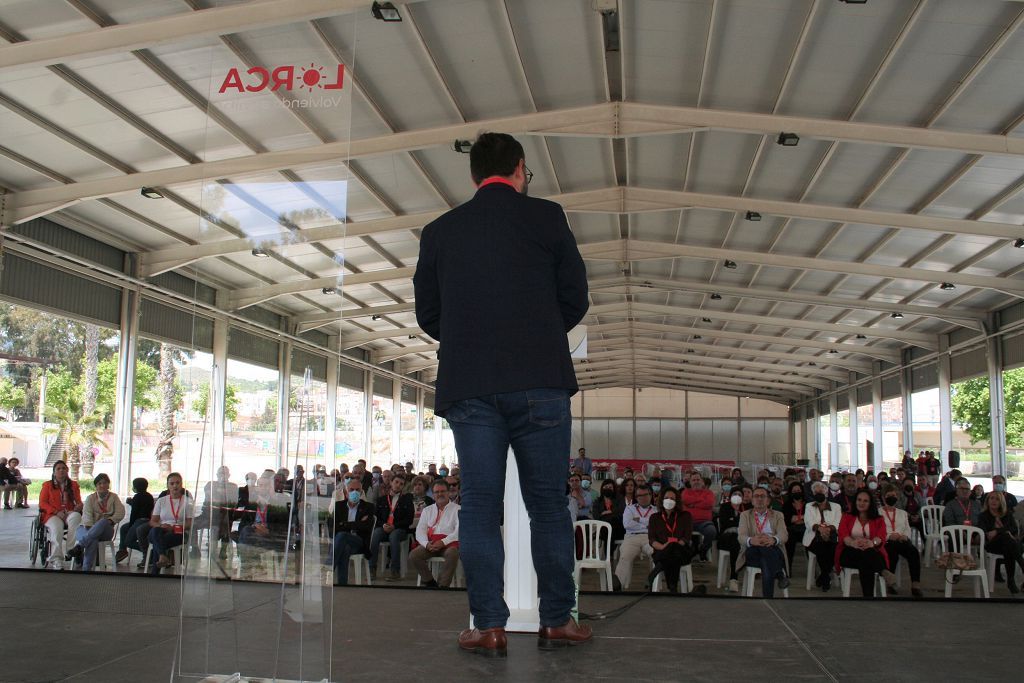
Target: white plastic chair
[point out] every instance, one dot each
(685, 580)
(812, 573)
(177, 554)
(383, 559)
(990, 561)
(360, 566)
(597, 542)
(723, 568)
(751, 573)
(959, 538)
(436, 564)
(846, 578)
(931, 520)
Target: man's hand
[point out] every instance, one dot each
(435, 546)
(260, 529)
(990, 534)
(388, 528)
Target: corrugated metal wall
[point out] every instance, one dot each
(175, 326)
(967, 365)
(302, 359)
(1013, 351)
(252, 348)
(40, 286)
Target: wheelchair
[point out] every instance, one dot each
(39, 543)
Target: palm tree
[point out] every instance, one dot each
(92, 356)
(81, 429)
(168, 405)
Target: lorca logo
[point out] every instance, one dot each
(258, 78)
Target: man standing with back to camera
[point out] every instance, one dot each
(499, 283)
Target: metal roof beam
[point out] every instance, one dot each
(393, 354)
(640, 362)
(810, 376)
(351, 341)
(242, 298)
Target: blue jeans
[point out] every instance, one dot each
(771, 562)
(709, 532)
(162, 540)
(536, 423)
(394, 541)
(89, 539)
(345, 546)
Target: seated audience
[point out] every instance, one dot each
(60, 505)
(627, 492)
(793, 506)
(962, 509)
(911, 501)
(438, 536)
(728, 521)
(669, 535)
(897, 542)
(699, 502)
(862, 543)
(101, 513)
(219, 500)
(636, 519)
(820, 535)
(353, 524)
(1001, 536)
(13, 482)
(762, 535)
(135, 534)
(581, 495)
(605, 509)
(420, 501)
(998, 485)
(171, 520)
(262, 524)
(945, 490)
(395, 514)
(846, 497)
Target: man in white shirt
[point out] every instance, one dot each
(172, 518)
(220, 498)
(635, 520)
(438, 536)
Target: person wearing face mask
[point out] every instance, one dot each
(897, 542)
(581, 496)
(962, 509)
(911, 502)
(793, 510)
(872, 487)
(605, 509)
(821, 525)
(699, 502)
(262, 526)
(669, 535)
(353, 524)
(728, 520)
(726, 485)
(635, 520)
(999, 486)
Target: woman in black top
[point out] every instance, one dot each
(728, 521)
(605, 509)
(1001, 536)
(669, 535)
(793, 512)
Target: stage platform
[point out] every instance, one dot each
(124, 629)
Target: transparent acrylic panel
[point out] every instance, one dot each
(257, 598)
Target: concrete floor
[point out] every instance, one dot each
(121, 629)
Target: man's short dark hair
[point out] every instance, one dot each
(439, 482)
(494, 154)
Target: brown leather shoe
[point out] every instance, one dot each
(490, 642)
(570, 633)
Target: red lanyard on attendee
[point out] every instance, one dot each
(967, 511)
(102, 503)
(261, 516)
(891, 518)
(865, 528)
(174, 512)
(430, 529)
(671, 529)
(391, 504)
(761, 521)
(644, 516)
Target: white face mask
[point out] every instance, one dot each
(834, 486)
(668, 503)
(619, 481)
(735, 500)
(872, 485)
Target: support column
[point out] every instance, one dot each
(331, 418)
(945, 407)
(367, 416)
(124, 407)
(877, 456)
(833, 424)
(804, 444)
(815, 435)
(419, 427)
(994, 356)
(218, 390)
(284, 392)
(396, 422)
(906, 391)
(851, 402)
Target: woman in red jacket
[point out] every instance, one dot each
(60, 504)
(862, 543)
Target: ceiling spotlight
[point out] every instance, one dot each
(854, 2)
(375, 317)
(151, 193)
(812, 364)
(329, 290)
(896, 316)
(462, 146)
(788, 139)
(705, 320)
(260, 253)
(832, 352)
(753, 216)
(697, 336)
(715, 296)
(689, 350)
(1019, 243)
(862, 336)
(730, 264)
(385, 11)
(947, 286)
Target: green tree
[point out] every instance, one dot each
(231, 402)
(106, 394)
(61, 389)
(12, 397)
(971, 411)
(80, 430)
